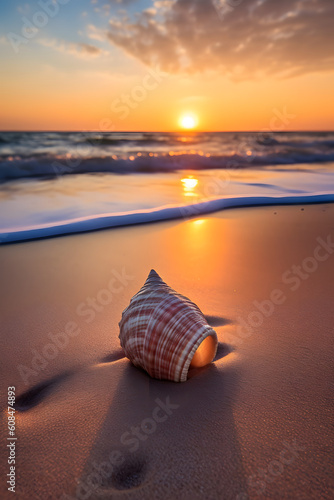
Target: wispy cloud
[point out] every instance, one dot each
(122, 2)
(83, 50)
(95, 33)
(255, 38)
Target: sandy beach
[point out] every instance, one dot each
(256, 423)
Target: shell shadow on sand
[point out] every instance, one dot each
(215, 321)
(34, 396)
(182, 454)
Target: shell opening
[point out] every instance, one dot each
(205, 352)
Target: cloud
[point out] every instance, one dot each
(122, 2)
(239, 38)
(83, 50)
(95, 33)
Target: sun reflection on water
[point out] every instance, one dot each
(189, 185)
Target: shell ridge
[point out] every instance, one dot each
(166, 340)
(152, 348)
(134, 326)
(151, 297)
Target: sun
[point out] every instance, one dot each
(188, 121)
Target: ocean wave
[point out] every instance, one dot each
(107, 221)
(44, 166)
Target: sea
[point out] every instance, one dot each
(59, 183)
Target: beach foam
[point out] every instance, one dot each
(104, 221)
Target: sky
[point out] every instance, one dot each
(130, 65)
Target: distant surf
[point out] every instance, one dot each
(54, 154)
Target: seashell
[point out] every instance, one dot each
(165, 333)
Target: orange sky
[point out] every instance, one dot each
(85, 79)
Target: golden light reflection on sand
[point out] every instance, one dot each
(200, 253)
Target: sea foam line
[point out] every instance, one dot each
(108, 221)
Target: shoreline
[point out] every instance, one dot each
(91, 224)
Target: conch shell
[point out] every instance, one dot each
(165, 333)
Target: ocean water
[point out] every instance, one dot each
(54, 183)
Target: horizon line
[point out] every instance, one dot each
(171, 131)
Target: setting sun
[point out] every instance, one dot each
(188, 122)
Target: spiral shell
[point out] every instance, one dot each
(164, 333)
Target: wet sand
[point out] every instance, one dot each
(256, 423)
